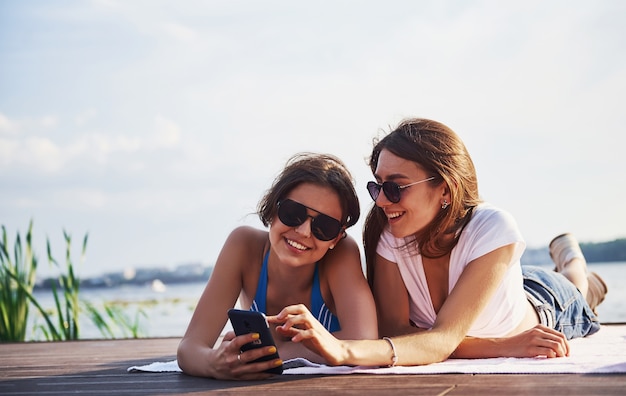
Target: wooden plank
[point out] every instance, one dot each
(99, 367)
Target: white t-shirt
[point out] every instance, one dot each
(489, 228)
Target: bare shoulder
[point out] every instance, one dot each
(347, 245)
(247, 234)
(244, 242)
(345, 255)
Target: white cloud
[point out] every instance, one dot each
(7, 127)
(8, 149)
(179, 31)
(40, 153)
(167, 133)
(82, 198)
(105, 144)
(84, 117)
(38, 150)
(49, 121)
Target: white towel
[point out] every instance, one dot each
(157, 367)
(172, 366)
(603, 352)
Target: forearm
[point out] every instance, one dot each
(537, 341)
(411, 350)
(477, 348)
(194, 359)
(366, 353)
(289, 350)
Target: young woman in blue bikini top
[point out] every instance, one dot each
(305, 258)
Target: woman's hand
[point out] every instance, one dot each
(297, 323)
(228, 363)
(538, 341)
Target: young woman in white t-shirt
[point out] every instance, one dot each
(445, 269)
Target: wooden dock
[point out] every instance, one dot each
(99, 367)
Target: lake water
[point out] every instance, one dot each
(168, 311)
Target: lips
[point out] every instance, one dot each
(393, 216)
(296, 245)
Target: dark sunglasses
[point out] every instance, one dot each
(293, 214)
(390, 189)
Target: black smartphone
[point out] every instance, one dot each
(245, 322)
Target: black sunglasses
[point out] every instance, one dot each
(293, 214)
(390, 189)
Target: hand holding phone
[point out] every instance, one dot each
(245, 322)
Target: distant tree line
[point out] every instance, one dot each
(599, 252)
(605, 251)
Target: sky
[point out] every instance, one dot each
(156, 126)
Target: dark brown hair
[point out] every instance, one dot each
(322, 169)
(442, 154)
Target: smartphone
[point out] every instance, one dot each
(245, 322)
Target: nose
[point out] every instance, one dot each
(304, 229)
(382, 200)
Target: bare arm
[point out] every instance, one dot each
(537, 341)
(197, 354)
(454, 320)
(392, 300)
(354, 303)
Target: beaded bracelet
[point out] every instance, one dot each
(394, 357)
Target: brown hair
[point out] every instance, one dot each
(322, 169)
(442, 154)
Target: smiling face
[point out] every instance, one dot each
(419, 204)
(297, 245)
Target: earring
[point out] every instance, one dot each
(445, 204)
(332, 247)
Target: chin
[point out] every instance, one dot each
(401, 232)
(397, 232)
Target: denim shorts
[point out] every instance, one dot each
(559, 304)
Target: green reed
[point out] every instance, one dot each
(66, 292)
(115, 319)
(17, 280)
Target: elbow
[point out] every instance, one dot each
(446, 345)
(445, 356)
(181, 357)
(439, 352)
(439, 356)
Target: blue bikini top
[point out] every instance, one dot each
(318, 306)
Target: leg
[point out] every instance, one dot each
(571, 263)
(569, 260)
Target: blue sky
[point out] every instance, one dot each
(156, 126)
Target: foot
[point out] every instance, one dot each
(596, 292)
(563, 249)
